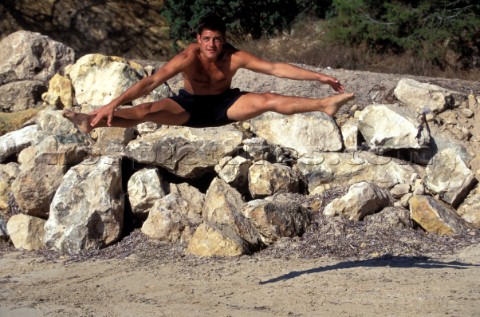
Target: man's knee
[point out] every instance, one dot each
(145, 108)
(268, 100)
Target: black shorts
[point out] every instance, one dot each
(207, 110)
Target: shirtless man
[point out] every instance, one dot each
(207, 99)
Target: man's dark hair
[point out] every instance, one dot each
(212, 22)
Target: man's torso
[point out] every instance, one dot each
(204, 78)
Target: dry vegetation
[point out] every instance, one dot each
(308, 44)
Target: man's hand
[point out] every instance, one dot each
(335, 84)
(101, 113)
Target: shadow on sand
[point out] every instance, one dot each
(383, 261)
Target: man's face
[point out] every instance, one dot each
(211, 43)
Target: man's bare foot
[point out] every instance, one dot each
(333, 103)
(80, 120)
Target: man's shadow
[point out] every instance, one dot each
(383, 261)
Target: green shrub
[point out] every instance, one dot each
(426, 28)
(243, 17)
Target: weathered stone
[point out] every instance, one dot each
(112, 141)
(34, 188)
(350, 135)
(26, 232)
(303, 133)
(8, 173)
(438, 143)
(90, 73)
(145, 188)
(171, 219)
(234, 171)
(26, 158)
(361, 199)
(223, 206)
(258, 149)
(400, 190)
(405, 200)
(10, 122)
(435, 216)
(158, 93)
(185, 152)
(331, 170)
(277, 216)
(28, 55)
(62, 149)
(388, 127)
(417, 95)
(147, 127)
(390, 217)
(83, 216)
(266, 179)
(21, 95)
(448, 176)
(51, 122)
(60, 92)
(469, 210)
(212, 240)
(13, 142)
(194, 198)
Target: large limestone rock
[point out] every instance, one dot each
(417, 95)
(223, 206)
(448, 176)
(62, 149)
(35, 187)
(22, 95)
(112, 141)
(172, 218)
(388, 127)
(213, 240)
(26, 232)
(469, 210)
(8, 173)
(304, 133)
(361, 199)
(13, 142)
(26, 55)
(435, 216)
(51, 122)
(145, 188)
(60, 92)
(91, 73)
(95, 26)
(331, 170)
(234, 171)
(192, 196)
(185, 152)
(277, 216)
(83, 216)
(267, 179)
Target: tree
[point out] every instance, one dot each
(426, 28)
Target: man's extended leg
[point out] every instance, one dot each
(165, 111)
(252, 104)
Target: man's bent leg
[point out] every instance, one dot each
(251, 105)
(165, 111)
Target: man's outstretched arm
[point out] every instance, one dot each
(142, 87)
(284, 70)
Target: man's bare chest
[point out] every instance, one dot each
(209, 74)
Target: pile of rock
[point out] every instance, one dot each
(266, 177)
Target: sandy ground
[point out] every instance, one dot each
(372, 272)
(257, 285)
